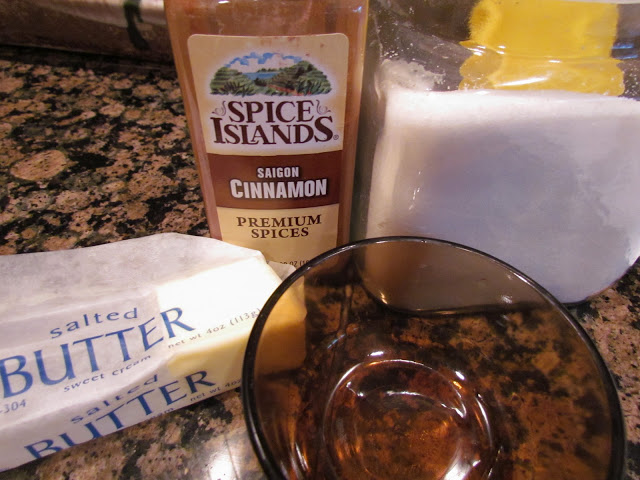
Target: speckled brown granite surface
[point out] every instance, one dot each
(96, 150)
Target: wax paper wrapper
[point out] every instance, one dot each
(97, 339)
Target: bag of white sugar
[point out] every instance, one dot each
(100, 338)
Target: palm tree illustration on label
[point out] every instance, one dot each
(269, 74)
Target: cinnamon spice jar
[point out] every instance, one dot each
(272, 96)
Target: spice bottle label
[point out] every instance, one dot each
(272, 112)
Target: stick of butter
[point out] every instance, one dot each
(283, 340)
(100, 338)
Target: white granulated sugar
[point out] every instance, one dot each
(547, 181)
(400, 73)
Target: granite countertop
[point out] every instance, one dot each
(95, 150)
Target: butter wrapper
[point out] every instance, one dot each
(100, 338)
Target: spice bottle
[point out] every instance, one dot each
(272, 96)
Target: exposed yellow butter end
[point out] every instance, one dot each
(212, 314)
(221, 357)
(283, 342)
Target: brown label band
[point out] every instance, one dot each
(275, 182)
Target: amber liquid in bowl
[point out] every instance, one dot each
(403, 419)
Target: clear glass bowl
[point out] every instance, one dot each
(407, 357)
